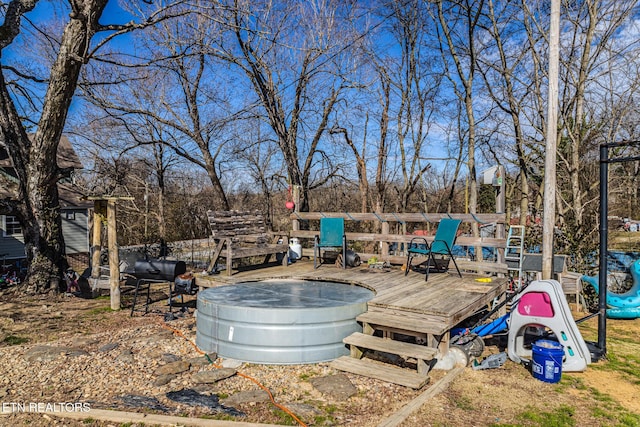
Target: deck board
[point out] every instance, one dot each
(390, 346)
(381, 371)
(444, 299)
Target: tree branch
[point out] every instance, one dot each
(10, 28)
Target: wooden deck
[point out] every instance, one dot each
(405, 305)
(444, 300)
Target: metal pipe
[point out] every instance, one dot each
(604, 210)
(602, 278)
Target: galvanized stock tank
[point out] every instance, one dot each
(279, 321)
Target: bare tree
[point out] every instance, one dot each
(416, 86)
(507, 88)
(175, 89)
(591, 38)
(371, 126)
(383, 143)
(290, 54)
(259, 156)
(459, 24)
(361, 165)
(37, 204)
(594, 25)
(403, 100)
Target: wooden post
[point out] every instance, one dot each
(295, 224)
(114, 257)
(549, 214)
(96, 239)
(500, 208)
(384, 250)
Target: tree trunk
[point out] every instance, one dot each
(38, 209)
(361, 166)
(466, 78)
(513, 107)
(578, 122)
(43, 240)
(381, 179)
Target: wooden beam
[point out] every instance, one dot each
(382, 371)
(295, 223)
(96, 240)
(400, 416)
(500, 208)
(401, 217)
(549, 206)
(114, 257)
(107, 198)
(489, 242)
(384, 250)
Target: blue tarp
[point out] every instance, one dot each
(620, 261)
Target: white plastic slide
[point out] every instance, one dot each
(543, 304)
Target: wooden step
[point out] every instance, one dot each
(390, 346)
(381, 371)
(401, 322)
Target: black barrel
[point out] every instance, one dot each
(159, 269)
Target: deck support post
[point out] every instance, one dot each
(356, 352)
(295, 223)
(105, 206)
(500, 208)
(114, 257)
(423, 367)
(443, 343)
(99, 211)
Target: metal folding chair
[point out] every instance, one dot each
(442, 244)
(331, 236)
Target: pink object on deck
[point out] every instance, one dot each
(535, 304)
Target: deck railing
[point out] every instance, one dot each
(396, 229)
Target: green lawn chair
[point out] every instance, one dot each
(442, 244)
(331, 236)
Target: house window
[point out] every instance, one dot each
(11, 226)
(70, 215)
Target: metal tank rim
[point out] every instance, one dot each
(280, 321)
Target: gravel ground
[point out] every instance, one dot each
(67, 350)
(114, 364)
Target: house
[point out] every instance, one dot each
(74, 210)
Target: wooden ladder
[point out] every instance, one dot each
(391, 324)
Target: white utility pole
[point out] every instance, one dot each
(549, 218)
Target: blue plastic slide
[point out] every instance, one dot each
(625, 305)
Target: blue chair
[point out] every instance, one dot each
(442, 244)
(331, 236)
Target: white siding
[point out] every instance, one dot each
(75, 229)
(10, 246)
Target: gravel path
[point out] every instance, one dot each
(137, 365)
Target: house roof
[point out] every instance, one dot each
(66, 155)
(70, 195)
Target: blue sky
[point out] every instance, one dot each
(50, 16)
(46, 8)
(52, 10)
